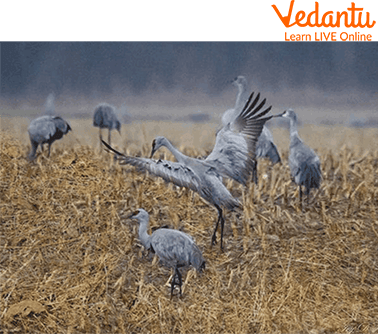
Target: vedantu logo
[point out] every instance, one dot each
(329, 19)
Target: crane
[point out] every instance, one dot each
(265, 146)
(303, 161)
(175, 249)
(45, 130)
(104, 117)
(233, 156)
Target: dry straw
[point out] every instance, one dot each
(71, 263)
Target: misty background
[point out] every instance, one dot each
(323, 82)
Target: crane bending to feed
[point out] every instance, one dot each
(45, 130)
(104, 117)
(303, 161)
(233, 156)
(175, 249)
(265, 147)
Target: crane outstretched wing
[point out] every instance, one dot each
(234, 151)
(170, 171)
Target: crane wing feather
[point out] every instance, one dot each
(172, 246)
(234, 151)
(170, 171)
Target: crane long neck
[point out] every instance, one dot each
(143, 235)
(241, 97)
(294, 137)
(180, 157)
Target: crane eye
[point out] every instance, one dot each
(132, 215)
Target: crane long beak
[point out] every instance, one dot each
(152, 152)
(132, 215)
(279, 115)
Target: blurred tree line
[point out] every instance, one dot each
(90, 67)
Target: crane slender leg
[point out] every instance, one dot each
(214, 237)
(301, 197)
(220, 219)
(109, 138)
(174, 282)
(254, 173)
(33, 151)
(222, 227)
(100, 135)
(308, 195)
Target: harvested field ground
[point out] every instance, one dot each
(71, 263)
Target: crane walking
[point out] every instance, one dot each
(303, 161)
(233, 156)
(45, 130)
(175, 249)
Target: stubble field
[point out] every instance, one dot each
(70, 261)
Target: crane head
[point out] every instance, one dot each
(156, 144)
(118, 126)
(139, 214)
(153, 148)
(287, 114)
(239, 81)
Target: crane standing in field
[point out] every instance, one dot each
(265, 147)
(303, 162)
(175, 249)
(104, 117)
(233, 156)
(45, 130)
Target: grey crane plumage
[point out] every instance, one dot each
(240, 82)
(265, 147)
(175, 249)
(233, 156)
(104, 117)
(303, 161)
(45, 130)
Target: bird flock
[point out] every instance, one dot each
(242, 140)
